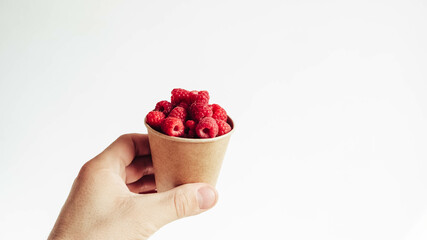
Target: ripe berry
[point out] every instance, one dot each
(207, 128)
(163, 106)
(180, 95)
(199, 111)
(219, 113)
(190, 129)
(188, 114)
(155, 119)
(199, 96)
(184, 105)
(173, 127)
(193, 95)
(223, 127)
(179, 112)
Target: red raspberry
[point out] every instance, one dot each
(155, 119)
(219, 113)
(199, 96)
(207, 128)
(184, 105)
(179, 112)
(203, 96)
(190, 124)
(190, 128)
(223, 127)
(163, 106)
(173, 127)
(180, 95)
(199, 111)
(193, 96)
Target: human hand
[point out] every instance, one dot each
(105, 200)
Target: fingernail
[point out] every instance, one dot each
(206, 196)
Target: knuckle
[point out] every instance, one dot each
(184, 204)
(123, 137)
(85, 170)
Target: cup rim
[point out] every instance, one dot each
(190, 140)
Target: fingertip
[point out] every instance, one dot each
(207, 196)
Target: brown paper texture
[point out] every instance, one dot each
(178, 161)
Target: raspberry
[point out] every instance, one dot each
(190, 128)
(207, 128)
(173, 127)
(163, 106)
(199, 111)
(155, 119)
(223, 127)
(180, 95)
(199, 96)
(184, 105)
(179, 112)
(193, 96)
(219, 113)
(188, 114)
(203, 97)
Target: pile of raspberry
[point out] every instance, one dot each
(189, 115)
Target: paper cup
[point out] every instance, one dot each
(179, 160)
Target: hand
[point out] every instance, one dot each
(105, 201)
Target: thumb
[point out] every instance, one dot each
(183, 201)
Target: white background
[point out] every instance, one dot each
(329, 100)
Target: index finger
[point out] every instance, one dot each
(126, 148)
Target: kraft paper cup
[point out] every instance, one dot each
(177, 160)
